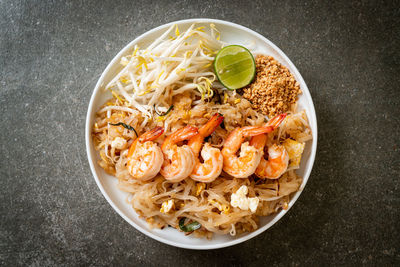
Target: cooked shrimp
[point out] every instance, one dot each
(276, 165)
(144, 156)
(211, 168)
(278, 157)
(179, 161)
(249, 157)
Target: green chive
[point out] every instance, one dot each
(130, 128)
(163, 114)
(189, 227)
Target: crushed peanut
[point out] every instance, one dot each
(274, 90)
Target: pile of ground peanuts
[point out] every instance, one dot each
(274, 89)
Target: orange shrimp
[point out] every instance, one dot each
(179, 161)
(211, 168)
(278, 158)
(245, 164)
(144, 156)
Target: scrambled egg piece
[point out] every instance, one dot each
(239, 200)
(223, 208)
(199, 188)
(294, 149)
(166, 206)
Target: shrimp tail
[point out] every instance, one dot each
(184, 134)
(180, 135)
(277, 120)
(147, 136)
(255, 130)
(259, 141)
(211, 125)
(196, 142)
(269, 127)
(152, 134)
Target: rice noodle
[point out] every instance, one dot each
(211, 207)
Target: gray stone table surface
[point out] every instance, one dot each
(53, 52)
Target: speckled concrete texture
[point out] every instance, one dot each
(53, 52)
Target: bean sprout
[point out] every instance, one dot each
(169, 66)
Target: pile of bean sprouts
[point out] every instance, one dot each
(170, 65)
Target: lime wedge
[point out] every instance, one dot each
(234, 66)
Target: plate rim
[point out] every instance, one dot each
(250, 235)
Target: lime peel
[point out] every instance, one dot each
(235, 67)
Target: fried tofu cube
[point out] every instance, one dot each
(295, 150)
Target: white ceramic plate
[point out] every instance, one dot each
(230, 33)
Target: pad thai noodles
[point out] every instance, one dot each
(192, 154)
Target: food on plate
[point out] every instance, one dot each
(145, 157)
(179, 161)
(295, 150)
(211, 167)
(240, 200)
(244, 164)
(276, 163)
(192, 153)
(234, 66)
(274, 90)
